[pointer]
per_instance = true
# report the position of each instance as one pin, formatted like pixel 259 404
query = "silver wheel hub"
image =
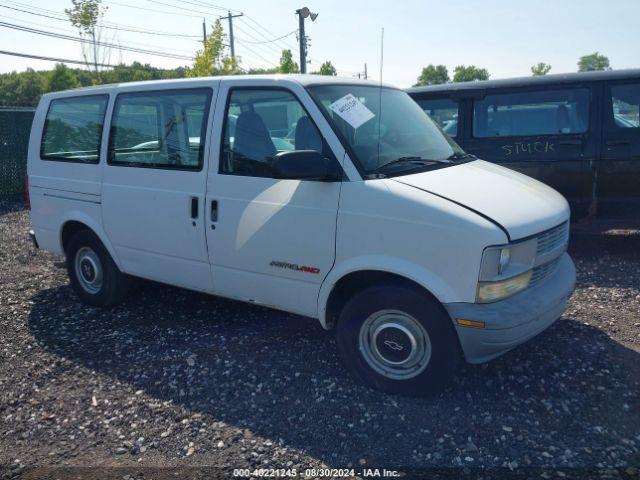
pixel 88 270
pixel 395 344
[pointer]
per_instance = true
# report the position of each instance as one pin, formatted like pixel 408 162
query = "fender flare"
pixel 431 282
pixel 95 227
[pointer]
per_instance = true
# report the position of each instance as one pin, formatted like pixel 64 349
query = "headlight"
pixel 505 270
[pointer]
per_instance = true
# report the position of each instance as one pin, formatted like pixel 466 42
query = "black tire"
pixel 407 304
pixel 113 285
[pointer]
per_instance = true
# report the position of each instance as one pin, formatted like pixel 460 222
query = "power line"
pixel 256 54
pixel 268 32
pixel 269 41
pixel 172 50
pixel 102 44
pixel 267 48
pixel 211 5
pixel 182 8
pixel 152 10
pixel 51 59
pixel 109 25
pixel 196 4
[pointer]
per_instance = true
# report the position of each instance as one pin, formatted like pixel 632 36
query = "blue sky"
pixel 505 37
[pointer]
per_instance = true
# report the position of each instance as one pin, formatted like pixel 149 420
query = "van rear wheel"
pixel 93 274
pixel 398 339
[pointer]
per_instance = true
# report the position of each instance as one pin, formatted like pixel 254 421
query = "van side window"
pixel 443 111
pixel 160 129
pixel 626 105
pixel 544 112
pixel 261 123
pixel 73 129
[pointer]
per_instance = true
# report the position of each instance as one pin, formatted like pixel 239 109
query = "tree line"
pixel 24 89
pixel 437 74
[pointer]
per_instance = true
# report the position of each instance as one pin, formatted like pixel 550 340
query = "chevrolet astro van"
pixel 331 198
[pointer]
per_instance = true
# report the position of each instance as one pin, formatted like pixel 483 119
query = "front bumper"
pixel 513 321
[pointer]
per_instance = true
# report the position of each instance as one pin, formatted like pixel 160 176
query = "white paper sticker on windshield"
pixel 352 110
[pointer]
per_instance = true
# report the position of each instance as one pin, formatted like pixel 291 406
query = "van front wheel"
pixel 93 274
pixel 398 340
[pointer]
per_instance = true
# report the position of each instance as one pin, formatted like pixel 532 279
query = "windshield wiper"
pixel 409 160
pixel 460 156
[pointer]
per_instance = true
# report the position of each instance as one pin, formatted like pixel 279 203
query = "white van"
pixel 328 197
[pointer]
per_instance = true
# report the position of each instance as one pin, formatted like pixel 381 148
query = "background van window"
pixel 626 105
pixel 444 112
pixel 545 112
pixel 73 129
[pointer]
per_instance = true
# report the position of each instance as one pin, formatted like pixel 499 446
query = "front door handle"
pixel 214 211
pixel 613 143
pixel 570 142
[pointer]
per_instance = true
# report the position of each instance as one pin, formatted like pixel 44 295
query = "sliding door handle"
pixel 194 207
pixel 214 211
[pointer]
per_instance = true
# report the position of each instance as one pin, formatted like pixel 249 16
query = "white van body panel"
pixel 267 227
pixel 157 238
pixel 494 191
pixel 63 191
pixel 388 226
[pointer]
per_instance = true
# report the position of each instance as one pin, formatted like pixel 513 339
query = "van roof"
pixel 558 78
pixel 302 79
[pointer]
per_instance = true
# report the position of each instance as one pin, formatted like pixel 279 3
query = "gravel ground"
pixel 177 378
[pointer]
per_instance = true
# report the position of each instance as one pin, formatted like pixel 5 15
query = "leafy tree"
pixel 61 78
pixel 84 15
pixel 29 88
pixel 540 69
pixel 287 64
pixel 211 60
pixel 327 68
pixel 262 71
pixel 433 75
pixel 592 62
pixel 469 73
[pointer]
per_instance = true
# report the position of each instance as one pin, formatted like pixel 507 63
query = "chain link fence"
pixel 15 126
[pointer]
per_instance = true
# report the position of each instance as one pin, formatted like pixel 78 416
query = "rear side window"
pixel 161 129
pixel 545 112
pixel 626 105
pixel 444 112
pixel 73 129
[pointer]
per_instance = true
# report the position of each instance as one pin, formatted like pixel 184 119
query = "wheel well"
pixel 69 230
pixel 354 282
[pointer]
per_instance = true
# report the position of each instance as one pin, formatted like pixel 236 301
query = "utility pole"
pixel 204 32
pixel 303 44
pixel 302 14
pixel 231 43
pixel 365 71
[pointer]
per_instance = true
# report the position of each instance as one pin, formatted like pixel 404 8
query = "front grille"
pixel 553 238
pixel 541 272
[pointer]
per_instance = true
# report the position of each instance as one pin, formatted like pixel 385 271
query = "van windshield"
pixel 386 131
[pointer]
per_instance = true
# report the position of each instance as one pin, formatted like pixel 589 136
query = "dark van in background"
pixel 579 133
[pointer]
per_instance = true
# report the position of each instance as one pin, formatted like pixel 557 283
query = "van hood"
pixel 519 204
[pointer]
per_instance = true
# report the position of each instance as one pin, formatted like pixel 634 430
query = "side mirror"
pixel 305 165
